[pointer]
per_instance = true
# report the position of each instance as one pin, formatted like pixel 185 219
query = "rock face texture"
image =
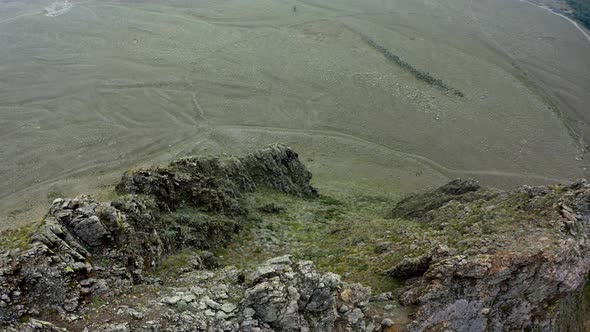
pixel 512 286
pixel 490 261
pixel 416 206
pixel 279 295
pixel 293 296
pixel 215 184
pixel 85 248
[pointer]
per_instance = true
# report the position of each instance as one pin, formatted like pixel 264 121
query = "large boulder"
pixel 416 206
pixel 215 184
pixel 281 294
pixel 537 258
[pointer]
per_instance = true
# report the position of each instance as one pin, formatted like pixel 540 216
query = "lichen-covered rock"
pixel 82 243
pixel 512 286
pixel 215 184
pixel 484 260
pixel 35 325
pixel 416 206
pixel 411 267
pixel 287 296
pixel 281 294
pixel 85 248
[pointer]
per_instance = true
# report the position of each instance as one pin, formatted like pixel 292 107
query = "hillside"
pixel 247 243
pixel 404 94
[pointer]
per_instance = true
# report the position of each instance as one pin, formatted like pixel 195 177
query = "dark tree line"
pixel 581 10
pixel 418 74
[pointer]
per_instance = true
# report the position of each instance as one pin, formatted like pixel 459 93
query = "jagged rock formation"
pixel 279 295
pixel 511 283
pixel 486 260
pixel 85 248
pixel 416 206
pixel 215 184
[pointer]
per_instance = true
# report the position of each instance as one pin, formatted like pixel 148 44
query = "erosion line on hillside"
pixel 417 73
pixel 433 164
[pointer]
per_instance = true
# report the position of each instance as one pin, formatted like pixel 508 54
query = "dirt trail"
pixel 435 165
pixel 10 19
pixel 560 15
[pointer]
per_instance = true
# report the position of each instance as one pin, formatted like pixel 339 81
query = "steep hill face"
pixel 531 252
pixel 459 258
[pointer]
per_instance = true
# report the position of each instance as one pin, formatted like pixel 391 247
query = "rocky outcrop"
pixel 291 296
pixel 475 259
pixel 518 284
pixel 215 184
pixel 281 294
pixel 84 248
pixel 416 206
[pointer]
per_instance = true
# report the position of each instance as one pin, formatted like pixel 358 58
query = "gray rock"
pixel 172 300
pixel 212 304
pixel 417 206
pixel 509 290
pixel 228 307
pixel 354 315
pixel 122 327
pixel 126 311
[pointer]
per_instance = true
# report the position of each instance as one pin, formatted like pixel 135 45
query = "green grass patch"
pixel 172 263
pixel 17 238
pixel 339 234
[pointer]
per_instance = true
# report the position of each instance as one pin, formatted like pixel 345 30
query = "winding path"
pixel 9 19
pixel 450 172
pixel 560 15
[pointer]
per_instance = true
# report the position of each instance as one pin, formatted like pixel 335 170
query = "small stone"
pixel 78 266
pixel 220 315
pixel 228 307
pixel 87 282
pixel 484 311
pixel 171 300
pixel 209 312
pixel 197 290
pixel 124 327
pixel 249 312
pixel 189 298
pixel 280 260
pixel 124 310
pixel 389 307
pixel 212 304
pixel 354 316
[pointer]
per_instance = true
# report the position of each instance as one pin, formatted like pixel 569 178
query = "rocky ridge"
pixel 494 260
pixel 516 280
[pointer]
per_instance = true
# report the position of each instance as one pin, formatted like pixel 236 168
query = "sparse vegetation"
pixel 17 238
pixel 352 235
pixel 172 263
pixel 54 193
